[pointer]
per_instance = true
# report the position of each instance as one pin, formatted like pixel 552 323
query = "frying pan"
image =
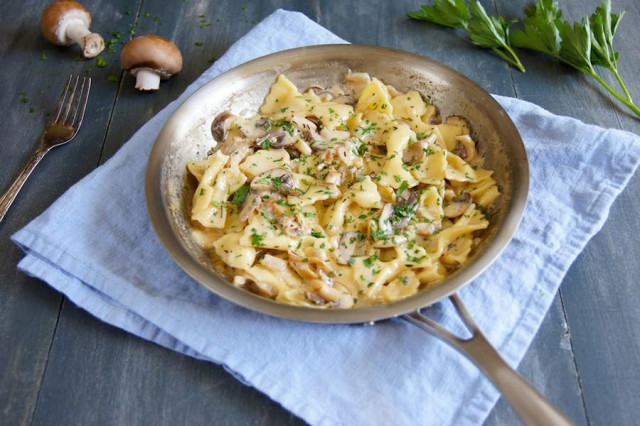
pixel 186 136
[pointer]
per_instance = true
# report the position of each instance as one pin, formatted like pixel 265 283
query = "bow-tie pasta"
pixel 340 197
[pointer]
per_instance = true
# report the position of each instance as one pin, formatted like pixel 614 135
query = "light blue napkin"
pixel 95 245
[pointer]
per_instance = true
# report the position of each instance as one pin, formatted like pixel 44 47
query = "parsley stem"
pixel 617 95
pixel 614 70
pixel 513 60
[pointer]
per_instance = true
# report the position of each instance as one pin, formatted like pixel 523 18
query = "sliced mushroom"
pixel 251 203
pixel 427 229
pixel 345 300
pixel 253 286
pixel 315 120
pixel 220 125
pixel 329 293
pixel 416 151
pixel 274 263
pixel 252 127
pixel 457 205
pixel 406 206
pixel 276 139
pixel 261 288
pixel 350 244
pixel 384 222
pixel 334 178
pixel 432 115
pixel 278 180
pixel 461 121
pixel 237 149
pixel 466 148
pixel 314 298
pixel 289 224
pixel 309 267
pixel 324 94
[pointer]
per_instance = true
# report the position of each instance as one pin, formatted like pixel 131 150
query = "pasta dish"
pixel 340 197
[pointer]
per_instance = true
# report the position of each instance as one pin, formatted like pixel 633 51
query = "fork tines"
pixel 72 103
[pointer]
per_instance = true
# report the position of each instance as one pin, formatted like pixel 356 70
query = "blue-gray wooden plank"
pixel 600 293
pixel 600 313
pixel 34 73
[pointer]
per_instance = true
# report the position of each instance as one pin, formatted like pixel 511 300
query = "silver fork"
pixel 63 127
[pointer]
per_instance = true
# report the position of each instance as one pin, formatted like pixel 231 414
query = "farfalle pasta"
pixel 340 197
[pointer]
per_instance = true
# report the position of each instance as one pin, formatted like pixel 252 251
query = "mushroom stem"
pixel 147 79
pixel 91 43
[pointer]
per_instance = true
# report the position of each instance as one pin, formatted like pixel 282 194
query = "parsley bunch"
pixel 490 32
pixel 584 45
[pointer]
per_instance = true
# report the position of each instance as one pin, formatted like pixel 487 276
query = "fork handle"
pixel 7 198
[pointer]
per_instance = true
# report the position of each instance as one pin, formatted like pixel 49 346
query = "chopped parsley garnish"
pixel 379 234
pixel 278 184
pixel 369 261
pixel 404 185
pixel 240 195
pixel 256 239
pixel 266 144
pixel 404 210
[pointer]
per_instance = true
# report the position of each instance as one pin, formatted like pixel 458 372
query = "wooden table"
pixel 59 365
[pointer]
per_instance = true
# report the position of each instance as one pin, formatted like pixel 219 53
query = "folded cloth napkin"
pixel 95 245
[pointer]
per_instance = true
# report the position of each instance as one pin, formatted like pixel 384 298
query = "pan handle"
pixel 527 402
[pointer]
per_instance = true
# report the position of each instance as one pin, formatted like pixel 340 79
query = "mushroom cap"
pixel 55 13
pixel 152 52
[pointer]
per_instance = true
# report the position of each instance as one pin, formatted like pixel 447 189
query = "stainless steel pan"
pixel 186 136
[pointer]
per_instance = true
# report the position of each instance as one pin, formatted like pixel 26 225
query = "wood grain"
pixel 34 73
pixel 58 365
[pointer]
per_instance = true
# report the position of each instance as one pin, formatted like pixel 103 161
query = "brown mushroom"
pixel 66 22
pixel 312 268
pixel 279 180
pixel 416 151
pixel 251 203
pixel 457 206
pixel 151 58
pixel 384 222
pixel 322 93
pixel 276 139
pixel 220 125
pixel 351 244
pixel 465 148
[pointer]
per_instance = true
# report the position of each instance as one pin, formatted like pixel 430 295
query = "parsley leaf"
pixel 451 13
pixel 240 195
pixel 256 239
pixel 369 261
pixel 489 32
pixel 583 45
